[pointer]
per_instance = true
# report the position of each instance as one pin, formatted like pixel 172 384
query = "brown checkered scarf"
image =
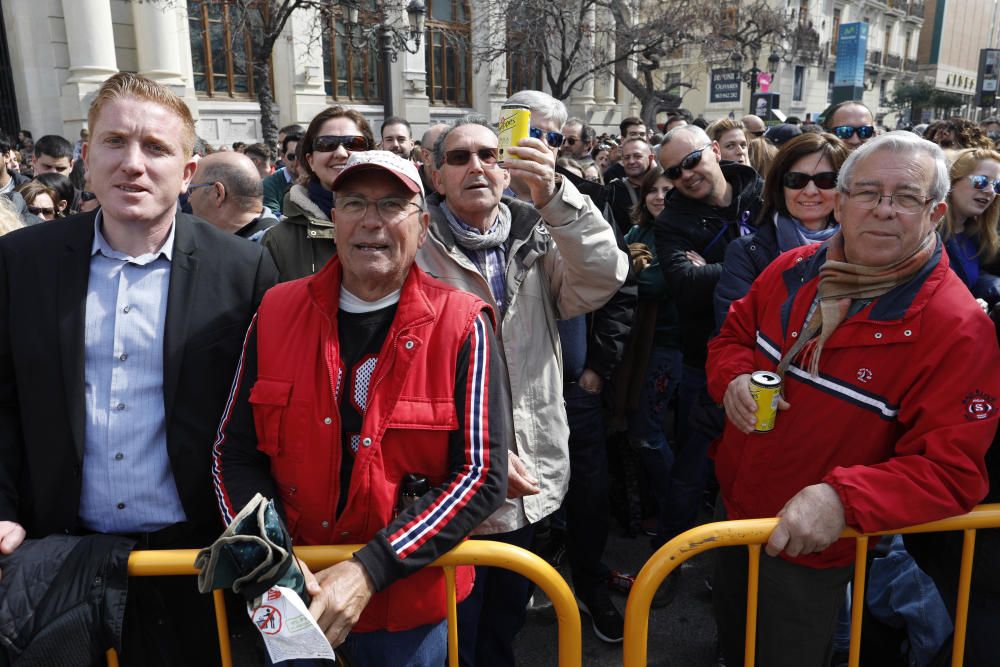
pixel 840 283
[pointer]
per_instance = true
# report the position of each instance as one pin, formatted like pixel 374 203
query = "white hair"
pixel 901 142
pixel 542 104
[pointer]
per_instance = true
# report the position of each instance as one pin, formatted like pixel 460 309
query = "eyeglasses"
pixel 291 157
pixel 845 132
pixel 195 186
pixel 689 161
pixel 981 182
pixel 461 156
pixel 391 210
pixel 759 133
pixel 570 141
pixel 87 196
pixel 901 202
pixel 824 180
pixel 331 142
pixel 552 138
pixel 35 210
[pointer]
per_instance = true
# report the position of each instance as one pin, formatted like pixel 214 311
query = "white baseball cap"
pixel 404 170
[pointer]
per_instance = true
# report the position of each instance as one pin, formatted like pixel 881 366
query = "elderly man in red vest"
pixel 371 401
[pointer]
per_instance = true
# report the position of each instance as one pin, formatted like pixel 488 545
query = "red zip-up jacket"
pixel 436 405
pixel 898 420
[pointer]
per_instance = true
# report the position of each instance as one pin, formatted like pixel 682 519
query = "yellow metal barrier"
pixel 471 552
pixel 755 532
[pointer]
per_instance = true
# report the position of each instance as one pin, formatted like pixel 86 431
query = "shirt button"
pixel 126 309
pixel 327 420
pixel 123 356
pixel 119 456
pixel 121 506
pixel 367 442
pixel 325 524
pixel 120 407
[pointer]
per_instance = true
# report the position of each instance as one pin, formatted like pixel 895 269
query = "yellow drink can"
pixel 765 387
pixel 514 125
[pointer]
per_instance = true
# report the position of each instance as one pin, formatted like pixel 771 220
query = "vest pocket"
pixel 269 399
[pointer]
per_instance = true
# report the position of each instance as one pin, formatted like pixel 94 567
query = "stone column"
pixel 157 46
pixel 91 45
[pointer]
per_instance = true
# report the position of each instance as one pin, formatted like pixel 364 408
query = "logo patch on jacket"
pixel 978 406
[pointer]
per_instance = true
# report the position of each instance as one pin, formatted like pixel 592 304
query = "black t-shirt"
pixel 361 338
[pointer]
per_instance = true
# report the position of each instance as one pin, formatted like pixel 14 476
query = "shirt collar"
pixel 102 246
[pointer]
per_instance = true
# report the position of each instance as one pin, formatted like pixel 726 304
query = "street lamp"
pixel 750 75
pixel 389 38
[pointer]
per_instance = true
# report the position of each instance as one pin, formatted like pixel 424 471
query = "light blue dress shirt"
pixel 128 485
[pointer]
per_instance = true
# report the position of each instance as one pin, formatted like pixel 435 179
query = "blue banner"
pixel 852 45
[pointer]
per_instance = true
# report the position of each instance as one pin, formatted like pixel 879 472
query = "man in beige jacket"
pixel 535 263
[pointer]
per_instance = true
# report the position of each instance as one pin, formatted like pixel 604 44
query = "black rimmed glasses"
pixel 391 210
pixel 797 180
pixel 331 142
pixel 689 161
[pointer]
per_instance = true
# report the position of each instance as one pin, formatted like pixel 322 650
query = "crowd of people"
pixel 406 343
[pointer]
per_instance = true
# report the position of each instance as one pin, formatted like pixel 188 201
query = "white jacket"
pixel 568 266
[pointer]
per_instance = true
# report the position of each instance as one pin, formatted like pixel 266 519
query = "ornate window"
pixel 447 52
pixel 221 53
pixel 351 75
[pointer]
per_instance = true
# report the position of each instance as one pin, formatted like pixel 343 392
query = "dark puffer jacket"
pixel 688 224
pixel 62 600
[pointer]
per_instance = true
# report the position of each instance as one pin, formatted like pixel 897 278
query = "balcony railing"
pixel 892 61
pixel 875 58
pixel 916 9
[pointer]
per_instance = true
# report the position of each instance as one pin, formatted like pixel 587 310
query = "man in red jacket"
pixel 371 401
pixel 890 388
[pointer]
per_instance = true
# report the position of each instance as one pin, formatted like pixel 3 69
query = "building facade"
pixel 805 61
pixel 61 50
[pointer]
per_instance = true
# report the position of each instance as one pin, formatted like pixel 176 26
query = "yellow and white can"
pixel 765 387
pixel 514 125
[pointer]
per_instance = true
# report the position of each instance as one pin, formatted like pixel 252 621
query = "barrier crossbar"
pixel 752 533
pixel 471 552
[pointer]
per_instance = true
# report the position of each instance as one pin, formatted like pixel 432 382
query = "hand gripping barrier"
pixel 470 552
pixel 755 532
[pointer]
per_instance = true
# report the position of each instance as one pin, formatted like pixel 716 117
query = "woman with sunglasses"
pixel 798 209
pixel 41 200
pixel 303 241
pixel 969 228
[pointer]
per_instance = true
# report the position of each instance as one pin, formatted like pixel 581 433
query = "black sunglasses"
pixel 570 141
pixel 552 138
pixel 981 182
pixel 845 132
pixel 331 142
pixel 87 196
pixel 759 133
pixel 291 157
pixel 824 180
pixel 689 161
pixel 35 210
pixel 461 156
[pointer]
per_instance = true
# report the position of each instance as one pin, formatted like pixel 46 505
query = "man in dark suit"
pixel 120 330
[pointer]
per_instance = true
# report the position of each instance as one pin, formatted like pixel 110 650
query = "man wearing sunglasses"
pixel 533 263
pixel 851 122
pixel 623 193
pixel 711 205
pixel 888 405
pixel 578 139
pixel 277 185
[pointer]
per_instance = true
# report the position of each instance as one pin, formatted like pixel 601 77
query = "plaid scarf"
pixel 841 282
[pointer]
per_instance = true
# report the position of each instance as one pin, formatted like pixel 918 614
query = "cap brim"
pixel 350 172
